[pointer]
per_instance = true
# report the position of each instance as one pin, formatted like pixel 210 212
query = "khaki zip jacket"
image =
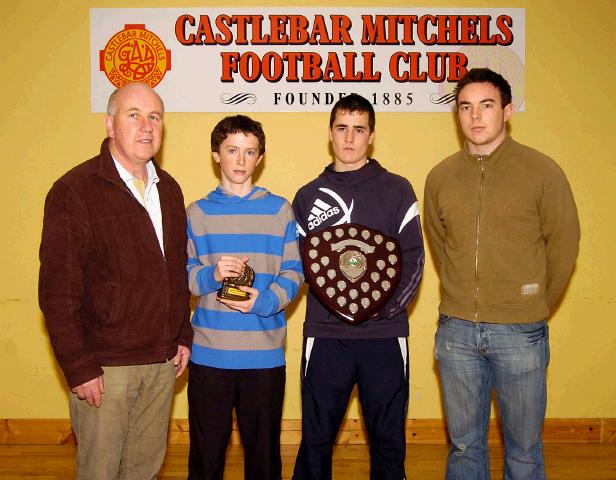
pixel 504 232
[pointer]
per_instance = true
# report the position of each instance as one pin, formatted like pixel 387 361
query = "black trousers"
pixel 330 369
pixel 257 397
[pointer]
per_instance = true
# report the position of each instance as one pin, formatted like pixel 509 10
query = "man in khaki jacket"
pixel 504 232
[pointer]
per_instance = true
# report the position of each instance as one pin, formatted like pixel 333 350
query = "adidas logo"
pixel 320 212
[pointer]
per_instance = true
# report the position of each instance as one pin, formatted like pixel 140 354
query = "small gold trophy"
pixel 230 285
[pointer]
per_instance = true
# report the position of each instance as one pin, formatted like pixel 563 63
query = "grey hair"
pixel 111 103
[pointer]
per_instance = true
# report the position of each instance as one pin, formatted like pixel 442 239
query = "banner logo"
pixel 135 54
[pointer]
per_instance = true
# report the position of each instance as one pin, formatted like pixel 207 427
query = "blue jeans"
pixel 474 358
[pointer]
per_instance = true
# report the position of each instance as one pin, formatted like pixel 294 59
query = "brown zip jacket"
pixel 504 233
pixel 109 295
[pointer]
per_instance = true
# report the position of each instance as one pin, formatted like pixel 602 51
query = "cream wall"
pixel 46 128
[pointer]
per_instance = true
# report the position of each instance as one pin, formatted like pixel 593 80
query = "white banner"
pixel 281 59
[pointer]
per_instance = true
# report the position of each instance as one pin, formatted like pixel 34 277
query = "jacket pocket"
pixel 99 303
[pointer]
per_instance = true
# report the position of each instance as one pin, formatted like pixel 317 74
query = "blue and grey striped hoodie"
pixel 261 227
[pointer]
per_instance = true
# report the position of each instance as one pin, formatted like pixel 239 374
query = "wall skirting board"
pixel 424 431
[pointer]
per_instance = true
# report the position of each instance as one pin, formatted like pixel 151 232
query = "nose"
pixel 146 124
pixel 348 136
pixel 241 161
pixel 476 114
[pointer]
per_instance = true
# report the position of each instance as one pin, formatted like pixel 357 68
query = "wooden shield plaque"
pixel 352 269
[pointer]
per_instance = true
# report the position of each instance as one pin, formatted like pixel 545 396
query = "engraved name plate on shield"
pixel 352 269
pixel 230 285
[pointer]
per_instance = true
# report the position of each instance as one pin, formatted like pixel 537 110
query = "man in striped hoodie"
pixel 238 351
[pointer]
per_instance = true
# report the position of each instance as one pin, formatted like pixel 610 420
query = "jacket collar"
pixel 353 177
pixel 491 159
pixel 107 169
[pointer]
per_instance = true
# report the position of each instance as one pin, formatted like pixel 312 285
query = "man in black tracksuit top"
pixel 373 354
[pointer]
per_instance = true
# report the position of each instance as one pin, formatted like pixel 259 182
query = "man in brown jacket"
pixel 504 232
pixel 113 289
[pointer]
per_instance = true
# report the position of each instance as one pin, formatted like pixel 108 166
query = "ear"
pixel 259 160
pixel 109 125
pixel 508 111
pixel 216 157
pixel 371 138
pixel 331 134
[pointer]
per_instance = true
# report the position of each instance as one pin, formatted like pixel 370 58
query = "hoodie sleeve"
pixel 409 236
pixel 286 282
pixel 300 218
pixel 201 279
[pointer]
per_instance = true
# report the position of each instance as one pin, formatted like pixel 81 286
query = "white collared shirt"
pixel 151 202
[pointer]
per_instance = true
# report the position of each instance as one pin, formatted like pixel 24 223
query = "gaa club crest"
pixel 135 54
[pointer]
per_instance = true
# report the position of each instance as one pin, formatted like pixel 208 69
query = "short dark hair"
pixel 235 124
pixel 485 75
pixel 353 103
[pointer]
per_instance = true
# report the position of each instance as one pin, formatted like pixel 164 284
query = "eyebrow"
pixel 336 125
pixel 466 102
pixel 137 109
pixel 231 145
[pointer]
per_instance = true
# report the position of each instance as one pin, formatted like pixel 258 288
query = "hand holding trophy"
pixel 230 285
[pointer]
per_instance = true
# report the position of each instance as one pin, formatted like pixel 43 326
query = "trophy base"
pixel 229 292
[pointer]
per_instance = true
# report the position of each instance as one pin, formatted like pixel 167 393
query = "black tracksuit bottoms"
pixel 330 369
pixel 257 396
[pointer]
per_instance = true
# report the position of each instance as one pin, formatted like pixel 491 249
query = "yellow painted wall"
pixel 46 128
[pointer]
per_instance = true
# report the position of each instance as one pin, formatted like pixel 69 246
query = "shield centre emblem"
pixel 353 265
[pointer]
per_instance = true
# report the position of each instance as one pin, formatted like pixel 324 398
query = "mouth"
pixel 239 172
pixel 145 141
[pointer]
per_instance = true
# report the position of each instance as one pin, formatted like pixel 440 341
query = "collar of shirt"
pixel 128 177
